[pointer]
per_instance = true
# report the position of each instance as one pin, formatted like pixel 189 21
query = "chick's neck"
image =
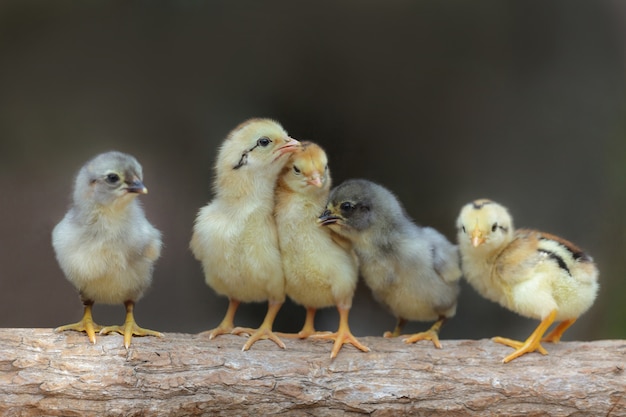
pixel 244 185
pixel 108 220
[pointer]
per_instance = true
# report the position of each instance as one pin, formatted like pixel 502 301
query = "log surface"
pixel 48 374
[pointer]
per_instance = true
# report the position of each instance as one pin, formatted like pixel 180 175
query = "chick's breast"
pixel 112 263
pixel 238 248
pixel 318 272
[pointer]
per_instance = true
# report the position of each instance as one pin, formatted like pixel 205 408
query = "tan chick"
pixel 104 244
pixel 234 236
pixel 534 274
pixel 414 271
pixel 319 272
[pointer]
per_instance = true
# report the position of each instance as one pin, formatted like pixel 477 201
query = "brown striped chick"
pixel 318 271
pixel 414 271
pixel 532 273
pixel 234 236
pixel 105 245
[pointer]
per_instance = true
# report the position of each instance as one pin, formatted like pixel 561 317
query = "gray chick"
pixel 104 244
pixel 414 271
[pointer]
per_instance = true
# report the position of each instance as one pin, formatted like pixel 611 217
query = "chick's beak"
pixel 476 237
pixel 291 145
pixel 315 180
pixel 137 187
pixel 328 218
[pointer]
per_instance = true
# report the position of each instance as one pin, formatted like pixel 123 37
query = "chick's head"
pixel 484 224
pixel 256 144
pixel 358 205
pixel 110 179
pixel 307 170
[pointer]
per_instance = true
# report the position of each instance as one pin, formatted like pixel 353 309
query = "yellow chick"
pixel 532 273
pixel 105 245
pixel 234 236
pixel 318 271
pixel 414 271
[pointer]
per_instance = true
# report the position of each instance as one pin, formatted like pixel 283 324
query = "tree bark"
pixel 43 373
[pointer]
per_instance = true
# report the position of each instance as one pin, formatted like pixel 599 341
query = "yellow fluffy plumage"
pixel 535 274
pixel 235 236
pixel 319 272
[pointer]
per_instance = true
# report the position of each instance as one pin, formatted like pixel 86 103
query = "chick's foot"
pixel 431 334
pixel 532 344
pixel 227 324
pixel 342 336
pixel 264 331
pixel 130 327
pixel 86 324
pixel 308 329
pixel 397 331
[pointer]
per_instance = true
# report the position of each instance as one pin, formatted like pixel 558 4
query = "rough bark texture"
pixel 47 374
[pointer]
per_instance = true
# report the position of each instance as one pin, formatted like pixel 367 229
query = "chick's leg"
pixel 130 328
pixel 343 334
pixel 532 343
pixel 227 324
pixel 309 324
pixel 265 331
pixel 398 329
pixel 431 334
pixel 86 324
pixel 308 329
pixel 555 335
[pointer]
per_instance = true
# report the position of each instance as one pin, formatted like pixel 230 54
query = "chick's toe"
pixel 86 324
pixel 130 327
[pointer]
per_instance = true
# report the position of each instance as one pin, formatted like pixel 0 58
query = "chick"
pixel 532 273
pixel 318 271
pixel 234 236
pixel 414 271
pixel 104 244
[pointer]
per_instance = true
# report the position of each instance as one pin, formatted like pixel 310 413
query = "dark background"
pixel 441 101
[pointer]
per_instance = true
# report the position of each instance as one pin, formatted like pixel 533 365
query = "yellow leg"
pixel 265 330
pixel 398 330
pixel 86 324
pixel 227 324
pixel 532 343
pixel 555 335
pixel 343 334
pixel 130 328
pixel 431 334
pixel 308 329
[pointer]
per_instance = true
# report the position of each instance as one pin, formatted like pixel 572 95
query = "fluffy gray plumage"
pixel 412 270
pixel 105 245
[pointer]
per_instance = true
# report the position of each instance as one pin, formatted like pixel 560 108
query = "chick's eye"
pixel 463 229
pixel 112 178
pixel 494 227
pixel 296 169
pixel 346 206
pixel 264 141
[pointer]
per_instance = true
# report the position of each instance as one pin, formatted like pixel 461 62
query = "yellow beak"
pixel 477 237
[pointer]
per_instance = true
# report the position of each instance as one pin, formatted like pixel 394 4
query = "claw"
pixel 130 327
pixel 342 336
pixel 86 324
pixel 533 343
pixel 265 330
pixel 227 324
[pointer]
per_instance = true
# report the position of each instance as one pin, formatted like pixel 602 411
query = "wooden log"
pixel 48 374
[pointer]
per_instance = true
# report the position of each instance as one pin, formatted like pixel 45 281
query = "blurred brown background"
pixel 441 101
